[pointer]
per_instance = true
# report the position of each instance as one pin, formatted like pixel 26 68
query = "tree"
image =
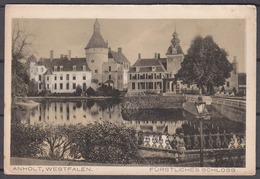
pixel 78 90
pixel 21 47
pixel 205 64
pixel 90 91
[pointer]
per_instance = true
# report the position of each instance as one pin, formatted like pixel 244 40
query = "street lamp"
pixel 200 106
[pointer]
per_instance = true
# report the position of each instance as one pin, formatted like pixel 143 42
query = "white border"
pixel 247 12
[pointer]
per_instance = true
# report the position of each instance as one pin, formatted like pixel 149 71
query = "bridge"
pixel 231 107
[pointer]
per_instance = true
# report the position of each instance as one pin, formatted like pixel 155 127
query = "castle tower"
pixel 96 52
pixel 174 55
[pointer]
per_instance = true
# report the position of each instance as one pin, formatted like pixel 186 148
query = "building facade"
pixel 108 67
pixel 60 75
pixel 115 71
pixel 101 65
pixel 157 74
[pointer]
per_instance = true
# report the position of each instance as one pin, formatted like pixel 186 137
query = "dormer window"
pixel 84 67
pixel 153 68
pixel 74 68
pixel 61 68
pixel 137 69
pixel 55 68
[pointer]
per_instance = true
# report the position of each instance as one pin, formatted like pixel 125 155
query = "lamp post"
pixel 200 105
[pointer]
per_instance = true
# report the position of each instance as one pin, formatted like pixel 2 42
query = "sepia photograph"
pixel 91 90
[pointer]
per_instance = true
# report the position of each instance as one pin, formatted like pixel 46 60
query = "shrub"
pixel 90 91
pixel 78 91
pixel 107 143
pixel 26 140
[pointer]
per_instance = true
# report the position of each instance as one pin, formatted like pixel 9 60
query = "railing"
pixel 220 150
pixel 192 142
pixel 228 102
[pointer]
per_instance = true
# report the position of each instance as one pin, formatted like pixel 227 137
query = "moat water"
pixel 167 121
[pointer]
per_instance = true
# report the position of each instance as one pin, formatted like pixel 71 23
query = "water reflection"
pixel 52 112
pixel 164 121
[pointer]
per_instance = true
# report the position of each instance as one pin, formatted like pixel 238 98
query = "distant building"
pixel 60 75
pixel 232 82
pixel 147 75
pixel 96 53
pixel 107 66
pixel 100 66
pixel 115 71
pixel 157 74
pixel 242 83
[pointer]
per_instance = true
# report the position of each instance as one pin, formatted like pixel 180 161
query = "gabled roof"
pixel 118 57
pixel 65 62
pixel 147 62
pixel 146 65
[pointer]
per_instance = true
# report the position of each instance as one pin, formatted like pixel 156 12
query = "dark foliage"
pixel 205 64
pixel 90 91
pixel 26 140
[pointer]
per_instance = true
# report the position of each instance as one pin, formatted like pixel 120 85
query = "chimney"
pixel 69 54
pixel 119 50
pixel 158 55
pixel 139 55
pixel 61 55
pixel 155 55
pixel 51 54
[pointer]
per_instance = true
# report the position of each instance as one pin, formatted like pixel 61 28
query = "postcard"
pixel 130 90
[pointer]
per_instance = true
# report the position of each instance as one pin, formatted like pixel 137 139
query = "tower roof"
pixel 96 41
pixel 175 47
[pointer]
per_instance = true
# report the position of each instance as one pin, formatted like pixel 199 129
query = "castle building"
pixel 115 71
pixel 60 75
pixel 157 74
pixel 101 65
pixel 96 53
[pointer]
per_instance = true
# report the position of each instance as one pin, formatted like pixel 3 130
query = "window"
pixel 55 78
pixel 55 68
pixel 40 86
pixel 74 77
pixel 84 86
pixel 55 86
pixel 92 61
pixel 96 71
pixel 130 76
pixel 61 68
pixel 109 76
pixel 48 86
pixel 84 67
pixel 61 77
pixel 84 77
pixel 67 86
pixel 47 78
pixel 149 85
pixel 74 68
pixel 40 77
pixel 133 85
pixel 42 69
pixel 61 86
pixel 67 77
pixel 228 84
pixel 109 68
pixel 74 85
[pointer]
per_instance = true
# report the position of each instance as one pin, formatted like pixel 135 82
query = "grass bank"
pixel 153 102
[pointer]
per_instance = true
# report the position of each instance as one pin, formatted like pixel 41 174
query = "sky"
pixel 145 36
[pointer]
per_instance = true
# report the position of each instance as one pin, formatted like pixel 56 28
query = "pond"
pixel 164 121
